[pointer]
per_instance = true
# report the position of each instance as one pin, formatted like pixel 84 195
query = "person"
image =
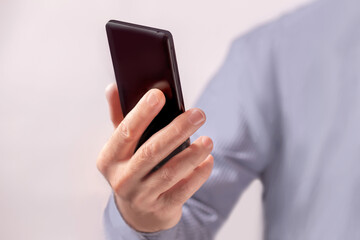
pixel 284 108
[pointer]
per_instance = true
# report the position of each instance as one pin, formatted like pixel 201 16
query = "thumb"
pixel 112 96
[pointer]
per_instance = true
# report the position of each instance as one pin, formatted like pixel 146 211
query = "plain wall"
pixel 54 67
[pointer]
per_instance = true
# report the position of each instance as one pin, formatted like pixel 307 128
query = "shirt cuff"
pixel 116 228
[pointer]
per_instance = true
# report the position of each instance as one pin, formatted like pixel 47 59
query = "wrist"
pixel 149 221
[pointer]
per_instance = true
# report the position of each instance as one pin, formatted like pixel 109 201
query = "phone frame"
pixel 171 50
pixel 113 24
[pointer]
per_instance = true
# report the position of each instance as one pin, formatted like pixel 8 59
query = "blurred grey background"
pixel 54 67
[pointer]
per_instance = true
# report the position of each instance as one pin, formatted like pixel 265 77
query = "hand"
pixel 152 201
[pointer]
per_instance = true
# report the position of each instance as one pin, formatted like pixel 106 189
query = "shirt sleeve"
pixel 117 229
pixel 240 105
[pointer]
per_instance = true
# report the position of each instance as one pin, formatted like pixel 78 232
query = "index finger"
pixel 122 143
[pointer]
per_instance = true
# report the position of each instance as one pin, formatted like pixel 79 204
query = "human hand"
pixel 152 201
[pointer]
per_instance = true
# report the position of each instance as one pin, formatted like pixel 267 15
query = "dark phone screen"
pixel 144 58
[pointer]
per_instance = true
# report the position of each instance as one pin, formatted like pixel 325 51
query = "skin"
pixel 150 202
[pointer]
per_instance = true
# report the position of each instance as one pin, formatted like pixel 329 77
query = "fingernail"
pixel 152 99
pixel 196 117
pixel 207 142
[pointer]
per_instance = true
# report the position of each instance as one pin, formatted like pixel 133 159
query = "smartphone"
pixel 144 58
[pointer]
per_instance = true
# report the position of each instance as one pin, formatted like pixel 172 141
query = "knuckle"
pixel 148 151
pixel 126 133
pixel 119 184
pixel 166 174
pixel 119 187
pixel 101 161
pixel 179 131
pixel 100 165
pixel 128 194
pixel 135 166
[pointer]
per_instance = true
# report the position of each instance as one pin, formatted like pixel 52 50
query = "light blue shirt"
pixel 284 108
